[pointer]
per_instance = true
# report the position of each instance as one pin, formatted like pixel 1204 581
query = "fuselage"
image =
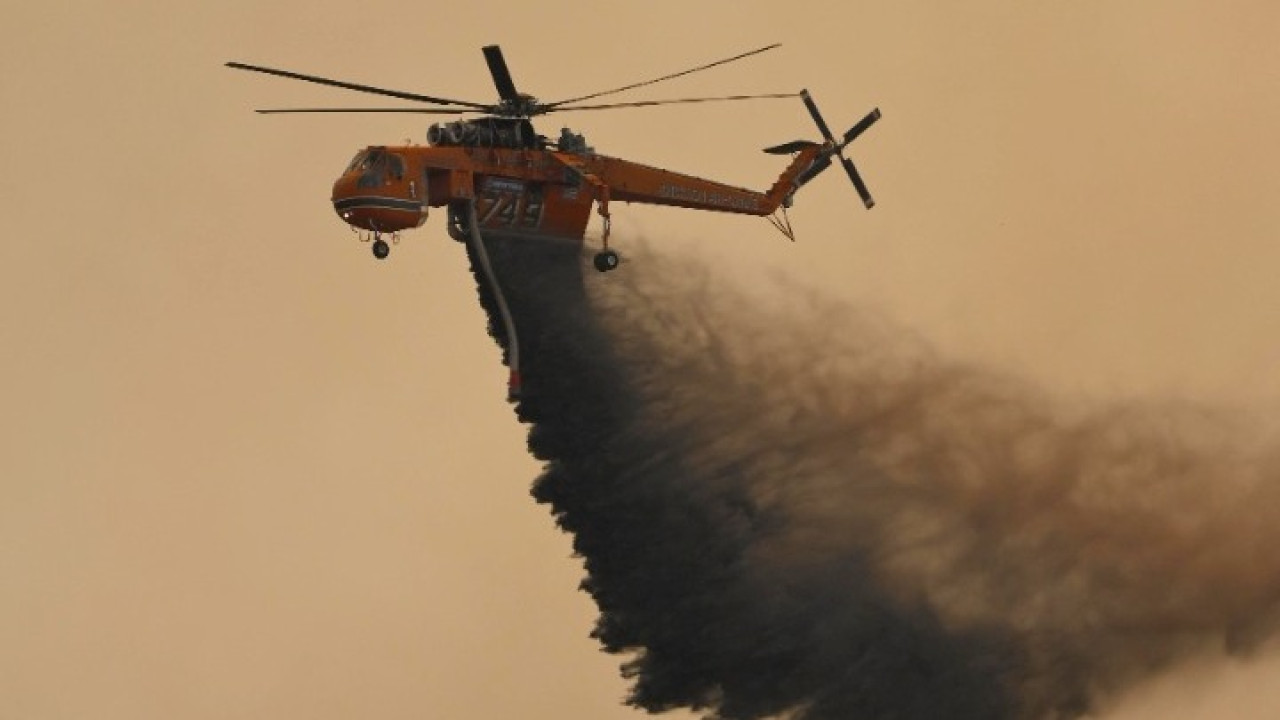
pixel 524 190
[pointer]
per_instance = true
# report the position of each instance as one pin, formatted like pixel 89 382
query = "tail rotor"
pixel 836 147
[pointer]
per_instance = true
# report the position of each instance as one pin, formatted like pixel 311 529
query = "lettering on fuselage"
pixel 685 194
pixel 496 185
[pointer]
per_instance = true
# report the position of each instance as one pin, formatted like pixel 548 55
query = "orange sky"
pixel 249 472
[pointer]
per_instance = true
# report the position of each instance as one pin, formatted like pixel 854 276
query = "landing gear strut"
pixel 606 259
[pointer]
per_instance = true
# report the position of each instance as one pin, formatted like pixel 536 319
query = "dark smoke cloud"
pixel 788 507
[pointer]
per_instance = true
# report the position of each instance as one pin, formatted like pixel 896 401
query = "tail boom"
pixel 628 181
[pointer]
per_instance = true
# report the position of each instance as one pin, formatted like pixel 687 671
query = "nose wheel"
pixel 606 260
pixel 381 249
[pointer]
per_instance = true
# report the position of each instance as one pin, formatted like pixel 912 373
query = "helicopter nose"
pixel 380 209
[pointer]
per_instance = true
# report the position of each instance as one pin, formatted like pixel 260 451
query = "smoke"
pixel 787 507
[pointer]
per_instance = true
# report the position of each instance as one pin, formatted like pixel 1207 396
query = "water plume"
pixel 788 507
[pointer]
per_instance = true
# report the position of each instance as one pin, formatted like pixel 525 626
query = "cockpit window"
pixel 396 166
pixel 373 165
pixel 368 159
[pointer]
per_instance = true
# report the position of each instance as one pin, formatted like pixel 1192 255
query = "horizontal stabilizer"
pixel 792 147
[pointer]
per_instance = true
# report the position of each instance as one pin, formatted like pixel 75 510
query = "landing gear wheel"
pixel 606 260
pixel 381 249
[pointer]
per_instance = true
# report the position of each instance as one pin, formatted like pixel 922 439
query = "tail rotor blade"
pixel 857 182
pixel 501 75
pixel 817 116
pixel 861 127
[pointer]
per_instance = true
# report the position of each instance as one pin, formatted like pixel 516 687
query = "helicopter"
pixel 495 175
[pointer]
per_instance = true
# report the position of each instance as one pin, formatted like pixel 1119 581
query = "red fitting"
pixel 513 386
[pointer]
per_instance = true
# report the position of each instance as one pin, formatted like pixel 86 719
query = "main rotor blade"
pixel 863 192
pixel 817 117
pixel 501 75
pixel 413 111
pixel 861 127
pixel 353 86
pixel 680 101
pixel 690 71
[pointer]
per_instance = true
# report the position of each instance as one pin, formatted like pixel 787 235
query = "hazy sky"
pixel 247 471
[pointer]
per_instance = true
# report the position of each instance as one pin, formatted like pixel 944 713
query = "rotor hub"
pixel 519 106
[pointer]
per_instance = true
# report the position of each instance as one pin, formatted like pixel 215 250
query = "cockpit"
pixel 377 167
pixel 379 193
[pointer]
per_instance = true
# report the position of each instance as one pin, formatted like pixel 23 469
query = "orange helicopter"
pixel 496 175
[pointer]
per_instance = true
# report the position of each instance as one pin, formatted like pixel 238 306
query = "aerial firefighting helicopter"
pixel 496 175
